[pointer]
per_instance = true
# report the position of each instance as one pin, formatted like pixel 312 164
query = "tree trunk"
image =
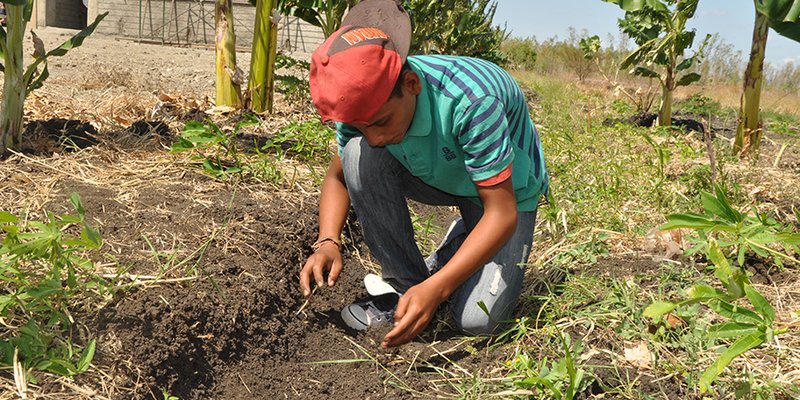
pixel 748 132
pixel 14 84
pixel 228 81
pixel 665 111
pixel 260 67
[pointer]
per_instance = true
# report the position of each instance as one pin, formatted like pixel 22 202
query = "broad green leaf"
pixel 91 236
pixel 86 357
pixel 685 64
pixel 732 214
pixel 58 366
pixel 706 292
pixel 658 308
pixel 75 199
pixel 645 72
pixel 739 347
pixel 6 216
pixel 77 39
pixel 688 79
pixel 733 278
pixel 736 313
pixel 693 221
pixel 761 304
pixel 536 381
pixel 732 330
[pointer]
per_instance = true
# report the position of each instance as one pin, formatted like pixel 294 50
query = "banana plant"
pixel 20 80
pixel 783 16
pixel 659 29
pixel 264 53
pixel 325 14
pixel 228 77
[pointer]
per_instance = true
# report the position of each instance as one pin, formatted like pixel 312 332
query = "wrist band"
pixel 325 239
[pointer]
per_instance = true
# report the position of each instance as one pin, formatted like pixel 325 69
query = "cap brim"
pixel 387 16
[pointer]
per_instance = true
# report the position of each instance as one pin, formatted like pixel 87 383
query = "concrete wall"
pixel 65 13
pixel 192 21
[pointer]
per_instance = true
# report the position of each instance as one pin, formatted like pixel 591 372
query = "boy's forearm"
pixel 334 201
pixel 494 229
pixel 486 239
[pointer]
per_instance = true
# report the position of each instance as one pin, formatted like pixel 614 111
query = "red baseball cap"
pixel 353 72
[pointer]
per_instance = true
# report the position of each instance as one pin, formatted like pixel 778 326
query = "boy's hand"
pixel 326 258
pixel 414 311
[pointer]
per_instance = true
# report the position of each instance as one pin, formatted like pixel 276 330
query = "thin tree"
pixel 783 16
pixel 229 80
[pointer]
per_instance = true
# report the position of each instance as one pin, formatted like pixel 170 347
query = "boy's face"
pixel 391 122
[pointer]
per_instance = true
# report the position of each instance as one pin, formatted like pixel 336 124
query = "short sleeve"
pixel 484 138
pixel 344 133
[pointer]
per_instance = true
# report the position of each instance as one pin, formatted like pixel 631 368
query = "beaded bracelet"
pixel 325 239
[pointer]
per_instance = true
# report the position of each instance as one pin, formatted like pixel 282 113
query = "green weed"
pixel 215 149
pixel 738 234
pixel 45 272
pixel 781 123
pixel 725 234
pixel 558 379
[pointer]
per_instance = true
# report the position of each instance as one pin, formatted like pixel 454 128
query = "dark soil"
pixel 647 119
pixel 240 330
pixel 57 135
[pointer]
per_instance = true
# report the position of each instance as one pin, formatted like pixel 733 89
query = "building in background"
pixel 178 22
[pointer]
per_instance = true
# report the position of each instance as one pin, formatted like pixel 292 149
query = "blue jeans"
pixel 378 186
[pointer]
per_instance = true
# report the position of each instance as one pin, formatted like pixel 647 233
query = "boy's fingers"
pixel 333 275
pixel 398 331
pixel 402 305
pixel 304 280
pixel 318 272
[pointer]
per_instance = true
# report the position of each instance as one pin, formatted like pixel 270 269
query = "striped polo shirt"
pixel 470 125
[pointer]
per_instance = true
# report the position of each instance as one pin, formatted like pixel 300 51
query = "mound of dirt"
pixel 241 330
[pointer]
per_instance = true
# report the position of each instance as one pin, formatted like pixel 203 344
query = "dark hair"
pixel 398 86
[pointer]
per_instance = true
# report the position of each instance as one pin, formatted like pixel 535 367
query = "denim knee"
pixel 476 323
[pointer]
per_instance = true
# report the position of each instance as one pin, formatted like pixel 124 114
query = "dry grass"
pixel 729 96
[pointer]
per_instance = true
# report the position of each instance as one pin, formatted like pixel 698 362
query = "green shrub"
pixel 45 273
pixel 520 53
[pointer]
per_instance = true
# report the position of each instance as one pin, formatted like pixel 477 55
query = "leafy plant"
pixel 455 27
pixel 216 148
pixel 44 272
pixel 750 327
pixel 293 85
pixel 325 14
pixel 519 53
pixel 19 80
pixel 558 379
pixel 306 141
pixel 659 29
pixel 700 105
pixel 737 234
pixel 641 99
pixel 726 233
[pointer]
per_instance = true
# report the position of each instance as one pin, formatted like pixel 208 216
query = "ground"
pixel 208 302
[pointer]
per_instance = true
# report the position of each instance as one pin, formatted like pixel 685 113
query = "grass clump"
pixel 46 273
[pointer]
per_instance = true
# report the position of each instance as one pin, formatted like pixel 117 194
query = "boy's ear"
pixel 411 83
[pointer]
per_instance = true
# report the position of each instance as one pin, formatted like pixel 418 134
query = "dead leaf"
pixel 638 354
pixel 674 321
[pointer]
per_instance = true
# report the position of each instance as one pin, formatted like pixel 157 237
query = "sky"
pixel 732 19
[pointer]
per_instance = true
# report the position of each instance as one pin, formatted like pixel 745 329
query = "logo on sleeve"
pixel 448 154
